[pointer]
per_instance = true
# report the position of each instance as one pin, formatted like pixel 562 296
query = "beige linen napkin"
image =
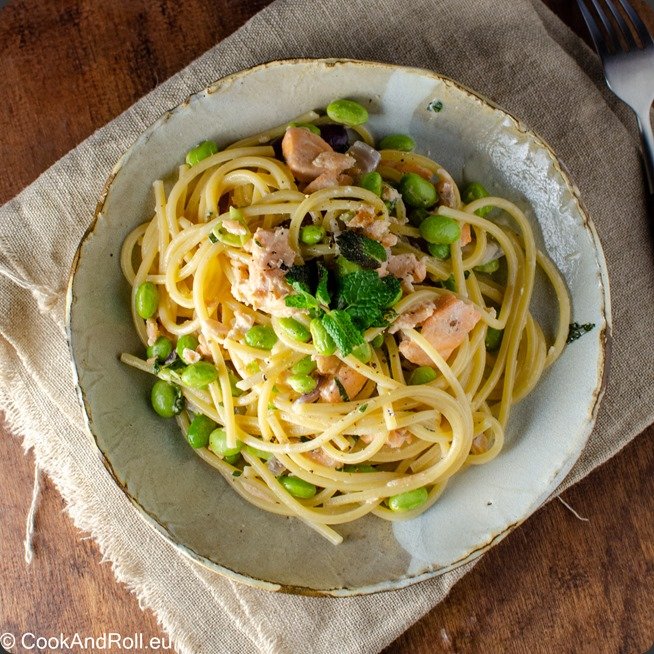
pixel 516 53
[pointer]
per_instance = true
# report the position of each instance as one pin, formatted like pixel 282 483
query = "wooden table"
pixel 557 584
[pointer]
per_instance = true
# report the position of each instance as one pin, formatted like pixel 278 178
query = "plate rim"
pixel 407 579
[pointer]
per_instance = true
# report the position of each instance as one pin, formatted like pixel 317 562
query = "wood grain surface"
pixel 556 584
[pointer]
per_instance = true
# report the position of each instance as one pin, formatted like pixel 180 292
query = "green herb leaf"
pixel 340 327
pixel 360 249
pixel 322 291
pixel 577 330
pixel 367 297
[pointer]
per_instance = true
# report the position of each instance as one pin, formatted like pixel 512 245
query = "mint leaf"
pixel 340 327
pixel 302 278
pixel 322 291
pixel 310 281
pixel 366 297
pixel 301 301
pixel 360 249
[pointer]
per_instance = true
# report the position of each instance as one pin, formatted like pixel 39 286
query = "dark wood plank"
pixel 556 584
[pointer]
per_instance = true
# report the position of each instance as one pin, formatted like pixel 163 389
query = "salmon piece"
pixel 466 234
pixel 351 381
pixel 445 329
pixel 480 444
pixel 327 180
pixel 395 438
pixel 309 156
pixel 323 459
pixel 406 267
pixel 152 330
pixel 328 365
pixel 447 191
pixel 377 228
pixel 262 284
pixel 409 319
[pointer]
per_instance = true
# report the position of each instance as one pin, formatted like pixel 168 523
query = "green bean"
pixel 493 339
pixel 440 230
pixel 199 375
pixel 397 142
pixel 297 487
pixel 372 182
pixel 186 342
pixel 261 454
pixel 347 112
pixel 422 375
pixel 417 192
pixel 345 267
pixel 310 126
pixel 312 234
pixel 304 366
pixel 322 341
pixel 295 329
pixel 199 430
pixel 146 300
pixel 167 399
pixel 200 152
pixel 160 349
pixel 378 341
pixel 439 250
pixel 218 444
pixel 261 337
pixel 475 191
pixel 489 267
pixel 302 384
pixel 363 352
pixel 409 500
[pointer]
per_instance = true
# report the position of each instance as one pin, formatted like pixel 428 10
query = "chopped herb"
pixel 435 106
pixel 340 327
pixel 237 473
pixel 363 408
pixel 360 249
pixel 213 238
pixel 258 243
pixel 341 390
pixel 367 297
pixel 577 330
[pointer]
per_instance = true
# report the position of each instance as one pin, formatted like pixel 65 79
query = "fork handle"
pixel 645 126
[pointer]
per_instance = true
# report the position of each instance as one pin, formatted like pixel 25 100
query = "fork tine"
pixel 595 31
pixel 641 28
pixel 622 25
pixel 610 31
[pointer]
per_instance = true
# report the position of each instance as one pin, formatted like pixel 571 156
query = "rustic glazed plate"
pixel 185 499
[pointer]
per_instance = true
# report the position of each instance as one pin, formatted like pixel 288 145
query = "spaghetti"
pixel 337 330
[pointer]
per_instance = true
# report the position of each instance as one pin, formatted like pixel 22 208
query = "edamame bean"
pixel 298 487
pixel 347 112
pixel 489 267
pixel 493 338
pixel 422 375
pixel 167 399
pixel 439 250
pixel 218 444
pixel 475 191
pixel 255 451
pixel 372 182
pixel 363 352
pixel 378 341
pixel 232 459
pixel 397 142
pixel 302 384
pixel 310 126
pixel 417 192
pixel 200 152
pixel 312 234
pixel 449 284
pixel 295 329
pixel 409 500
pixel 261 337
pixel 186 342
pixel 199 375
pixel 146 300
pixel 440 230
pixel 199 430
pixel 322 341
pixel 359 467
pixel 304 366
pixel 160 349
pixel 417 216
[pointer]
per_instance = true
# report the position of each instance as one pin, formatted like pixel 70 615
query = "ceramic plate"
pixel 186 500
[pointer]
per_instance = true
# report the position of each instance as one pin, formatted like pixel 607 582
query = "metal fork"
pixel 628 65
